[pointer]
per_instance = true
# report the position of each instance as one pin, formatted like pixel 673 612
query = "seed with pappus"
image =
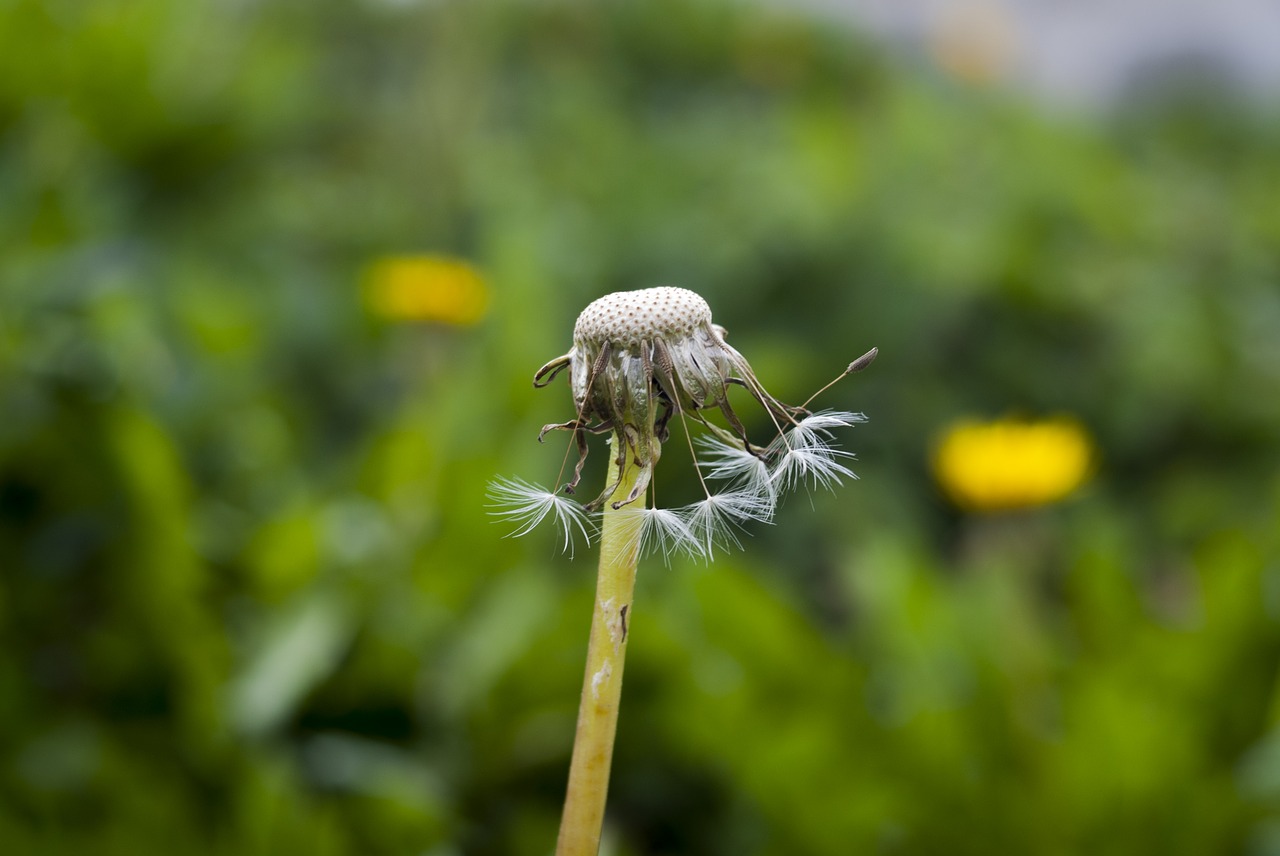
pixel 638 359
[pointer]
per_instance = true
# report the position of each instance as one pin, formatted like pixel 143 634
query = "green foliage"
pixel 250 600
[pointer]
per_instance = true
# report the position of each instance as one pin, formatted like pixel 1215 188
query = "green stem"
pixel 602 685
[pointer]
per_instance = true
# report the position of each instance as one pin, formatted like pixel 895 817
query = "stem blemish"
pixel 598 680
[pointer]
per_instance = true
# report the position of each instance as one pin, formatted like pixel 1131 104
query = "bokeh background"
pixel 275 278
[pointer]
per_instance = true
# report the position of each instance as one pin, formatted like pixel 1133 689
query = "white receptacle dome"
pixel 628 318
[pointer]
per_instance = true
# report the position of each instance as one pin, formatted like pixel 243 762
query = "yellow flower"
pixel 1011 463
pixel 426 288
pixel 976 41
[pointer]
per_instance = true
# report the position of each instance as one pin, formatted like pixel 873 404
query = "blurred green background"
pixel 250 598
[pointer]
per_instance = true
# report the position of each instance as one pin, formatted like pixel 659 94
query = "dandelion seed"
pixel 816 464
pixel 717 519
pixel 818 426
pixel 527 505
pixel 661 530
pixel 740 468
pixel 805 454
pixel 814 431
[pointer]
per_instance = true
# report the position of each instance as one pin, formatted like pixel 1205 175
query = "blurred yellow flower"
pixel 976 41
pixel 426 288
pixel 1009 463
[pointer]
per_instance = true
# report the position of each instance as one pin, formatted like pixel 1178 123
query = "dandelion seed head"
pixel 630 317
pixel 639 359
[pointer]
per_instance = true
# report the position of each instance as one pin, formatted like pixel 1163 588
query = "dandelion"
pixel 976 42
pixel 425 288
pixel 639 359
pixel 1010 463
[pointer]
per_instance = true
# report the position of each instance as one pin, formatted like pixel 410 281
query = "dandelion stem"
pixel 584 802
